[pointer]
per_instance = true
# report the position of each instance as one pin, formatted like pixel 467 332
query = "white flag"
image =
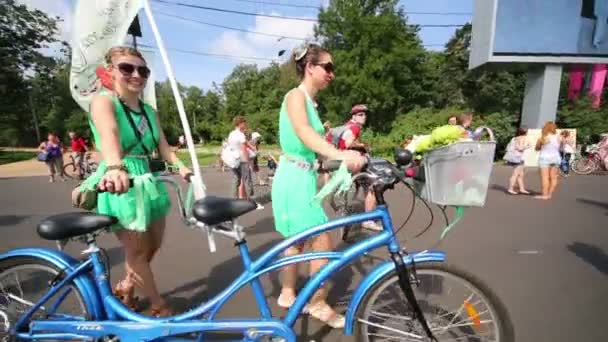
pixel 99 25
pixel 149 92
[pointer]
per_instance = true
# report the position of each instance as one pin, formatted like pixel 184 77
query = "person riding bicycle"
pixel 79 148
pixel 347 137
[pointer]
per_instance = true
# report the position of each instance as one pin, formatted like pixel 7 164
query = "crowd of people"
pixel 130 138
pixel 52 151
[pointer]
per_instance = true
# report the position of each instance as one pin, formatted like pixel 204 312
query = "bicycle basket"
pixel 458 174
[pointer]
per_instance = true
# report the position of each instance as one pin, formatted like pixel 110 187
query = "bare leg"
pixel 544 180
pixel 157 232
pixel 554 180
pixel 520 180
pixel 139 273
pixel 513 180
pixel 318 306
pixel 370 204
pixel 290 276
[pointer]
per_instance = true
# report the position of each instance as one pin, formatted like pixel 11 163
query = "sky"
pixel 203 71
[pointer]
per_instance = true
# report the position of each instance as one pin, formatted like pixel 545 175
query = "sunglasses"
pixel 127 69
pixel 328 67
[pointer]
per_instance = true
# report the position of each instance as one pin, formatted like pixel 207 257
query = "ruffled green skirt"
pixel 145 202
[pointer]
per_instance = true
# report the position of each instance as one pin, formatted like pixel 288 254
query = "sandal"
pixel 512 192
pixel 161 311
pixel 324 313
pixel 126 295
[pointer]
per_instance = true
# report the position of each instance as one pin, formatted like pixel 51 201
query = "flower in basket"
pixel 440 136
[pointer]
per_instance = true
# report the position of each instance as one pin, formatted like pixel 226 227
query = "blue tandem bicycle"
pixel 46 294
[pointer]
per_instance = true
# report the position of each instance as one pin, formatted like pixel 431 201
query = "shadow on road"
pixel 222 275
pixel 603 205
pixel 11 220
pixel 591 254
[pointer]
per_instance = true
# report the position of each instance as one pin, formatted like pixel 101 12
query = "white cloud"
pixel 55 8
pixel 261 46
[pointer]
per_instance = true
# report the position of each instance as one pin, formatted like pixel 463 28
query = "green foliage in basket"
pixel 440 136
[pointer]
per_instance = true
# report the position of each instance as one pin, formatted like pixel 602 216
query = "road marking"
pixel 528 252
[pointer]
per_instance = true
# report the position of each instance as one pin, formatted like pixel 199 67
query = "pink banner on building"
pixel 577 76
pixel 596 87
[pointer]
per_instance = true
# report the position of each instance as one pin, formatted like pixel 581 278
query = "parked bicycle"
pixel 88 167
pixel 587 163
pixel 46 294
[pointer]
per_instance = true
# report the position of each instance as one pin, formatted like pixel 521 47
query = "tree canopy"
pixel 380 61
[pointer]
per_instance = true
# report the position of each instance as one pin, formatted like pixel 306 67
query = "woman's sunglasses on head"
pixel 127 69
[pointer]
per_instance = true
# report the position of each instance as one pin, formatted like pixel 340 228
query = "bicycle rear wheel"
pixel 456 305
pixel 584 166
pixel 23 281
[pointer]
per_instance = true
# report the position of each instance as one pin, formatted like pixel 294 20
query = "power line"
pixel 225 56
pixel 209 54
pixel 230 27
pixel 223 10
pixel 278 4
pixel 249 31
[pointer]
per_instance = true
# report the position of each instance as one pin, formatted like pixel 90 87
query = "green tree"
pixel 23 33
pixel 379 60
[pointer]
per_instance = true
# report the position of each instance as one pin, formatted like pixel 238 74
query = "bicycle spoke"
pixel 391 316
pixel 376 325
pixel 389 337
pixel 18 283
pixel 459 311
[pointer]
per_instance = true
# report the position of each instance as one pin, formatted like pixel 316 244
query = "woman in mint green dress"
pixel 140 209
pixel 301 136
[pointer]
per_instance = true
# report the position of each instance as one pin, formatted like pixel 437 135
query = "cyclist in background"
pixel 79 148
pixel 348 138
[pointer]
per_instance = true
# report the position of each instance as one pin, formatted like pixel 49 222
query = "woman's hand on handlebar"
pixel 353 159
pixel 185 173
pixel 114 181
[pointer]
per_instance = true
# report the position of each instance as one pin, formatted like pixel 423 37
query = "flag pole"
pixel 197 180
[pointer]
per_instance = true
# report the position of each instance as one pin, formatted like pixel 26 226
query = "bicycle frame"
pixel 115 319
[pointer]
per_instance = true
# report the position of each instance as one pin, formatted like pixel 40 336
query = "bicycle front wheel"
pixel 456 305
pixel 24 281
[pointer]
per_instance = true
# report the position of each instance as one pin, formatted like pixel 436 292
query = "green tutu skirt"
pixel 145 202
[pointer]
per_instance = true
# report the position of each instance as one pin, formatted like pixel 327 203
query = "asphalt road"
pixel 547 261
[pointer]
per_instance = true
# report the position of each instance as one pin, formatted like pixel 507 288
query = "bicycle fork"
pixel 405 283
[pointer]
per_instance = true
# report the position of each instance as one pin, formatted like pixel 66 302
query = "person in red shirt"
pixel 350 140
pixel 79 148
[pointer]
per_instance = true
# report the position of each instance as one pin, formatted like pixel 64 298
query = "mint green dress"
pixel 293 189
pixel 147 200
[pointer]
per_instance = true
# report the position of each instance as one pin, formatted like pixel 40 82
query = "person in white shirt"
pixel 566 150
pixel 236 157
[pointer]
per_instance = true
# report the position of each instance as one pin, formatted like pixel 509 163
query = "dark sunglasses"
pixel 127 69
pixel 328 67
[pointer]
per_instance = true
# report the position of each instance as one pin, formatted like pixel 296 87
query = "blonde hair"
pixel 122 51
pixel 549 128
